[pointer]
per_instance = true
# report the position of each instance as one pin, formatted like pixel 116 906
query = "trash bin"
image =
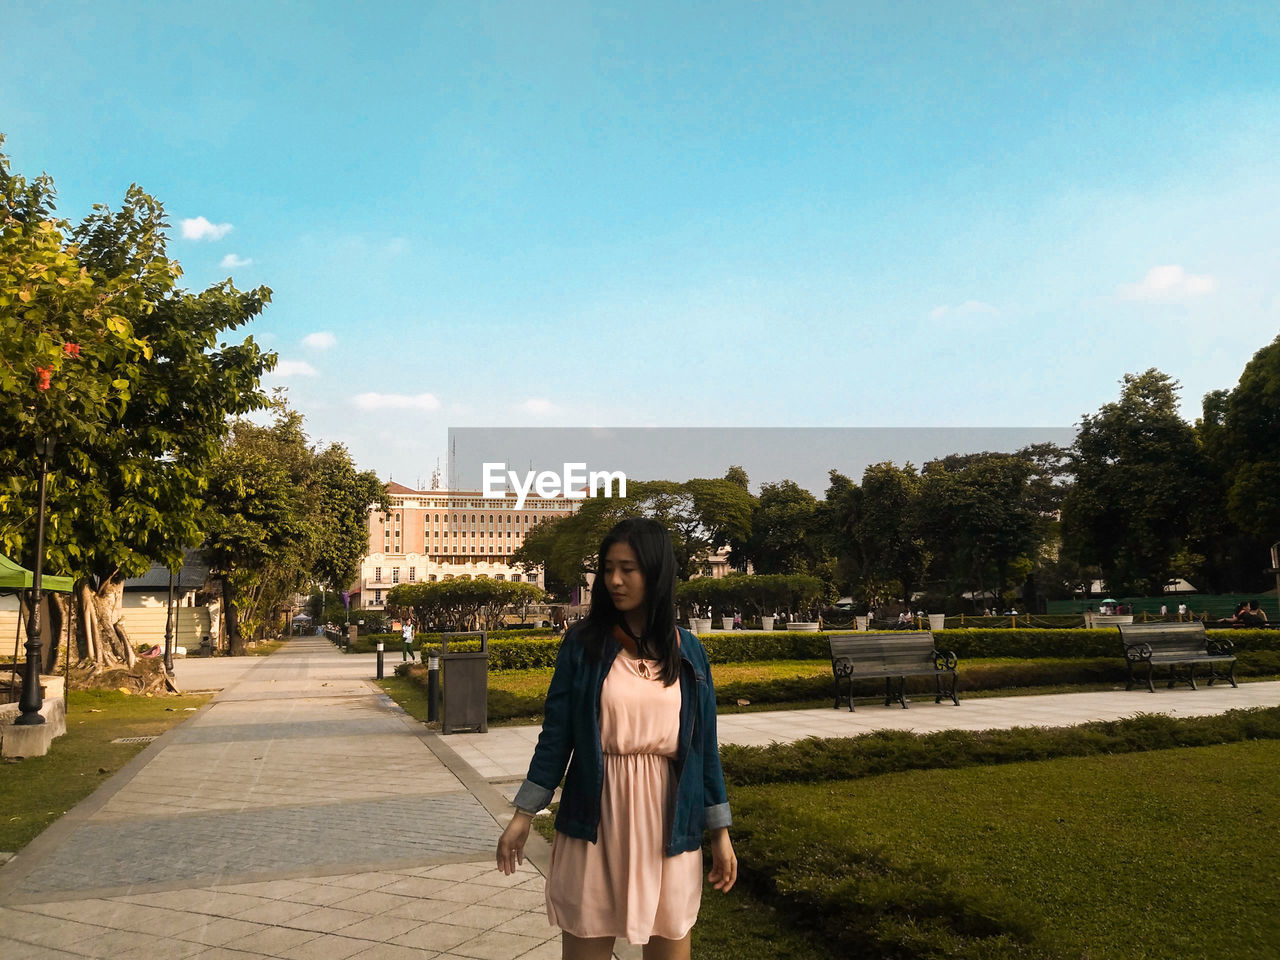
pixel 464 682
pixel 206 646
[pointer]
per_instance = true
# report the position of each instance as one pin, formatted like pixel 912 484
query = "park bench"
pixel 893 656
pixel 1175 645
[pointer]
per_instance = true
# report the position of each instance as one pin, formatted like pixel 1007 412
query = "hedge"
pixel 524 649
pixel 365 643
pixel 891 751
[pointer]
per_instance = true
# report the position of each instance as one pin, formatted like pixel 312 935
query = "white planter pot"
pixel 700 625
pixel 766 623
pixel 861 622
pixel 726 623
pixel 803 627
pixel 937 621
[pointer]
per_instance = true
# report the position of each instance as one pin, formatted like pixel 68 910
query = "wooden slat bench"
pixel 1175 645
pixel 893 656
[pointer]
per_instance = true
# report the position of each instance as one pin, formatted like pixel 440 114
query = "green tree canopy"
pixel 1142 484
pixel 285 515
pixel 783 537
pixel 128 374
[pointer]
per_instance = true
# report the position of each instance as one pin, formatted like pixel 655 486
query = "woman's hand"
pixel 511 843
pixel 724 864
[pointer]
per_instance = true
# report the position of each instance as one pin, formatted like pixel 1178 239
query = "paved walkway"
pixel 301 814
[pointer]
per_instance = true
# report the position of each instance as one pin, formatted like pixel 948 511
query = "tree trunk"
pixel 51 644
pixel 108 604
pixel 89 623
pixel 235 640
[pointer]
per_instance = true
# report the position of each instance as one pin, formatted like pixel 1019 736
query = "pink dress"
pixel 624 885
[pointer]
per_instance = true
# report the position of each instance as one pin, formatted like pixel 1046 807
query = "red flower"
pixel 71 349
pixel 43 376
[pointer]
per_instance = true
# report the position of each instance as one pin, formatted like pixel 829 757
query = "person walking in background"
pixel 406 641
pixel 631 714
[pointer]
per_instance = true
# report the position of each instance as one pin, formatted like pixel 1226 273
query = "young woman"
pixel 631 714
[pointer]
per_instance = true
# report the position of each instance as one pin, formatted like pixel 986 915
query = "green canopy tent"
pixel 14 578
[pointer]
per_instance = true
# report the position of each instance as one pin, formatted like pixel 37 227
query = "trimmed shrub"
pixel 1071 643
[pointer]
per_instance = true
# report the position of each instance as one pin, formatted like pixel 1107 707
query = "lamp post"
pixel 1275 567
pixel 31 699
pixel 168 628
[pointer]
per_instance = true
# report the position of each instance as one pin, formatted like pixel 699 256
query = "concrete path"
pixel 302 815
pixel 299 815
pixel 502 755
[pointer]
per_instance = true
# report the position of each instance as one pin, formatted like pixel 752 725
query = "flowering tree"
pixel 102 353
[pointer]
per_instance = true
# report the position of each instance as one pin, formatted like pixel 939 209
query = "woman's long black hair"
pixel 652 544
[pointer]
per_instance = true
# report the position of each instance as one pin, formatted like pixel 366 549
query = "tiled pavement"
pixel 301 815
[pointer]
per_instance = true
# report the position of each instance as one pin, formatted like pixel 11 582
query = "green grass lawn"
pixel 36 791
pixel 1169 854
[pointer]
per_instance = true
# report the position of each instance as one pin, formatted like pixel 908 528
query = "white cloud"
pixel 397 401
pixel 320 340
pixel 968 308
pixel 294 368
pixel 231 260
pixel 537 406
pixel 198 228
pixel 1168 282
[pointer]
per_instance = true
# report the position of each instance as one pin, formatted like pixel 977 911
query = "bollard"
pixel 433 687
pixel 379 659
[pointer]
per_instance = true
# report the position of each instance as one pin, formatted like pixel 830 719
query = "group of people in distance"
pixel 1249 614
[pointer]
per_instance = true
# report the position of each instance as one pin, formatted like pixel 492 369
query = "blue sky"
pixel 687 214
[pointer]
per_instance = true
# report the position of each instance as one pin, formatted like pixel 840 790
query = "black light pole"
pixel 31 699
pixel 168 628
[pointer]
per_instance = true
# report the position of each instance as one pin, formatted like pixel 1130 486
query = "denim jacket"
pixel 571 738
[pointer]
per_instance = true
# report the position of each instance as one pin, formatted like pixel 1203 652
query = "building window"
pixel 377 596
pixel 431 578
pixel 377 574
pixel 413 574
pixel 500 576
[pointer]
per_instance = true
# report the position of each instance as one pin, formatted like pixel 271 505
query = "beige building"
pixel 432 535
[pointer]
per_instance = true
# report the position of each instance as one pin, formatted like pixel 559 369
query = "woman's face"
pixel 624 578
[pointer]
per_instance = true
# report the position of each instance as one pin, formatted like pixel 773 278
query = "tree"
pixel 128 374
pixel 981 520
pixel 1240 435
pixel 700 514
pixel 263 538
pixel 345 498
pixel 888 528
pixel 1141 486
pixel 286 515
pixel 782 538
pixel 461 603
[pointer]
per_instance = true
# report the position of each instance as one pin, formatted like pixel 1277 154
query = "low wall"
pixel 34 741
